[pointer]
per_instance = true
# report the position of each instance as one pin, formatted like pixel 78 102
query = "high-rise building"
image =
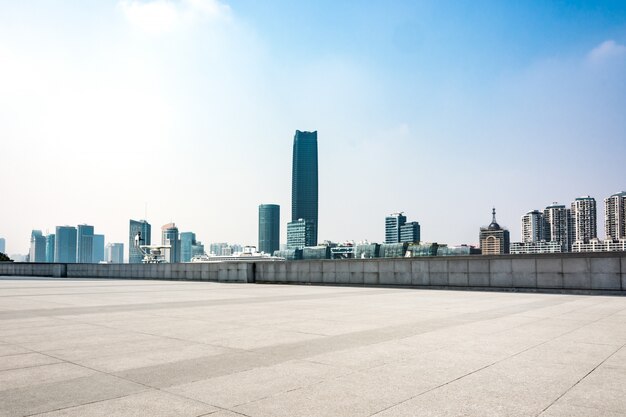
pixel 97 255
pixel 304 186
pixel 584 220
pixel 37 246
pixel 269 228
pixel 84 244
pixel 300 233
pixel 494 240
pixel 169 236
pixel 197 249
pixel 50 247
pixel 393 222
pixel 187 241
pixel 3 245
pixel 558 225
pixel 65 245
pixel 217 248
pixel 115 253
pixel 614 216
pixel 533 227
pixel 410 232
pixel 138 226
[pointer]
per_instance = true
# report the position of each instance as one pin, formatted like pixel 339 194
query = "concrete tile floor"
pixel 158 348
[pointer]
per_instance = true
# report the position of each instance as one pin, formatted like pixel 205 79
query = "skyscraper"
pixel 187 241
pixel 98 249
pixel 37 246
pixel 115 253
pixel 3 244
pixel 304 185
pixel 50 247
pixel 494 240
pixel 558 224
pixel 65 244
pixel 614 216
pixel 269 228
pixel 169 236
pixel 584 221
pixel 533 227
pixel 393 222
pixel 84 244
pixel 138 226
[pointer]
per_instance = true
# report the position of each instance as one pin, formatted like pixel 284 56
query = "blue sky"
pixel 439 109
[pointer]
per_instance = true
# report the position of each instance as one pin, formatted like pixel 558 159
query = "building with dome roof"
pixel 494 240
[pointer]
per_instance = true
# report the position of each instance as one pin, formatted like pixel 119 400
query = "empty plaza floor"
pixel 164 348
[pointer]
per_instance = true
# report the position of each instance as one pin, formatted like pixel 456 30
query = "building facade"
pixel 393 222
pixel 50 247
pixel 65 245
pixel 558 225
pixel 269 228
pixel 494 240
pixel 169 236
pixel 114 253
pixel 84 244
pixel 542 246
pixel 615 216
pixel 410 232
pixel 300 233
pixel 584 220
pixel 187 241
pixel 138 226
pixel 98 249
pixel 304 186
pixel 37 251
pixel 533 227
pixel 597 245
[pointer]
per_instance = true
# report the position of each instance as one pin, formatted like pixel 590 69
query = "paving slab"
pixel 100 347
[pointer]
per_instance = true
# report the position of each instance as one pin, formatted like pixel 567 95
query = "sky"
pixel 185 111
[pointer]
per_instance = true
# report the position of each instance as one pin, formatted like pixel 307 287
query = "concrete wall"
pixel 589 273
pixel 218 272
pixel 593 272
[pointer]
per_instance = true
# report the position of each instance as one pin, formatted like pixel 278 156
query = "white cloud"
pixel 159 16
pixel 606 50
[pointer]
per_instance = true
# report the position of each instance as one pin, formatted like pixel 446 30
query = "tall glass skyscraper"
pixel 142 226
pixel 65 245
pixel 304 196
pixel 269 228
pixel 37 246
pixel 84 244
pixel 169 236
pixel 98 249
pixel 187 241
pixel 50 248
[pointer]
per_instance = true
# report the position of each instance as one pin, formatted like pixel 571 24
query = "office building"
pixel 615 216
pixel 304 186
pixel 533 227
pixel 197 249
pixel 300 233
pixel 410 232
pixel 115 253
pixel 97 254
pixel 558 225
pixel 144 228
pixel 217 248
pixel 84 244
pixel 65 244
pixel 393 222
pixel 187 241
pixel 50 248
pixel 269 228
pixel 3 245
pixel 494 240
pixel 37 246
pixel 169 236
pixel 584 221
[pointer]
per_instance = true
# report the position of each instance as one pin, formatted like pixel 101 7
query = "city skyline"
pixel 415 104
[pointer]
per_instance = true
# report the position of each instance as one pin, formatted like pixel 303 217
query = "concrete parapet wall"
pixel 590 272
